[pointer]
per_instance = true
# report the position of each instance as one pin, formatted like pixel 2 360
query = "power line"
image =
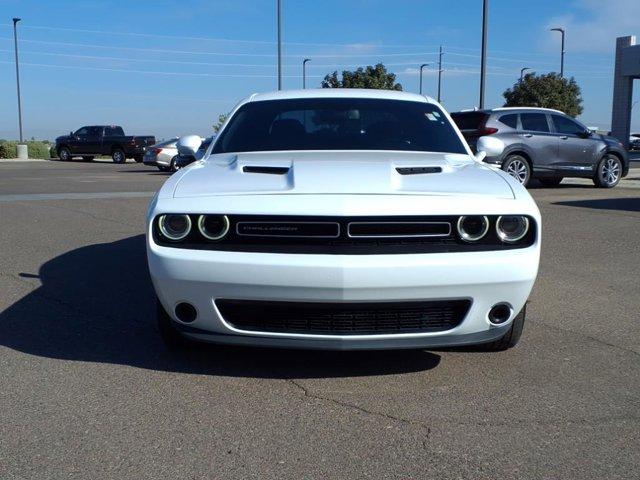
pixel 228 54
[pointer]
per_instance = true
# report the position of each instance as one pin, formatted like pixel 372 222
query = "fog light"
pixel 174 227
pixel 186 312
pixel 213 227
pixel 472 228
pixel 500 313
pixel 511 228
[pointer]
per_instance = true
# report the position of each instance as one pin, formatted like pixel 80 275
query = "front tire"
pixel 64 154
pixel 608 172
pixel 550 181
pixel 118 156
pixel 170 336
pixel 138 158
pixel 174 167
pixel 512 337
pixel 518 167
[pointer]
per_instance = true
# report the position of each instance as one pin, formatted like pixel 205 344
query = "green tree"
pixel 221 119
pixel 548 91
pixel 368 77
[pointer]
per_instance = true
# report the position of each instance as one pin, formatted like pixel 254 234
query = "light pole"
pixel 440 72
pixel 483 61
pixel 421 68
pixel 15 39
pixel 561 30
pixel 304 72
pixel 522 70
pixel 279 45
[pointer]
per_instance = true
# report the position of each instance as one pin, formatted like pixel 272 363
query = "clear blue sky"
pixel 169 67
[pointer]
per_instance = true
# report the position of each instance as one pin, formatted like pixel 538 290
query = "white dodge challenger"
pixel 342 219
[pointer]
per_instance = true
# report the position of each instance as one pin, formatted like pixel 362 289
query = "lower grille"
pixel 344 318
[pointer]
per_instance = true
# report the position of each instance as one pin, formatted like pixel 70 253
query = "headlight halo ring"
pixel 504 237
pixel 172 237
pixel 472 238
pixel 203 231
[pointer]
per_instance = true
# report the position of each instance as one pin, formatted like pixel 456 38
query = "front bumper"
pixel 200 277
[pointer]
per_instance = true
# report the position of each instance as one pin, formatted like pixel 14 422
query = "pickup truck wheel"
pixel 64 154
pixel 138 158
pixel 174 165
pixel 118 156
pixel 88 159
pixel 550 181
pixel 511 338
pixel 609 172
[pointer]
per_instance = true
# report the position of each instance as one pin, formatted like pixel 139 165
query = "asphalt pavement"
pixel 87 389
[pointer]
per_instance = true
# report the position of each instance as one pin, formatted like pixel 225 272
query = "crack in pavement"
pixel 421 426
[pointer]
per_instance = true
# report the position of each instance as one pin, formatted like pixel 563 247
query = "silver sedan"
pixel 162 155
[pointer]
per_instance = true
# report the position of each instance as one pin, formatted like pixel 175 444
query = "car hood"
pixel 372 173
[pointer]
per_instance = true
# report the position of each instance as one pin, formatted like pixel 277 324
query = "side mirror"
pixel 189 145
pixel 489 147
pixel 585 134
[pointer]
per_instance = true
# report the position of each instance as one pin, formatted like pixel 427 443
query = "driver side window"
pixel 567 126
pixel 83 131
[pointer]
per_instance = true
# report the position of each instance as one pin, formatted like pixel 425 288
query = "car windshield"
pixel 339 124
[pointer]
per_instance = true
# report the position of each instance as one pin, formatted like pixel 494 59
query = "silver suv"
pixel 545 144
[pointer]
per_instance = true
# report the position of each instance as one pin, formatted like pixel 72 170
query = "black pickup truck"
pixel 88 142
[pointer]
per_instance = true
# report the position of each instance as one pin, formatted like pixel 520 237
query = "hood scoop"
pixel 418 170
pixel 265 169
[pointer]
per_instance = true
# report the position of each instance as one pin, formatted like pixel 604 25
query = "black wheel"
pixel 608 172
pixel 118 156
pixel 88 159
pixel 174 165
pixel 550 181
pixel 138 158
pixel 171 337
pixel 64 154
pixel 511 338
pixel 518 167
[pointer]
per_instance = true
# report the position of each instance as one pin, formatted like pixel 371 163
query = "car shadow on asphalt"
pixel 631 204
pixel 96 304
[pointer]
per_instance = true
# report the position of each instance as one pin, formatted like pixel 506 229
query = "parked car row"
pixel 545 144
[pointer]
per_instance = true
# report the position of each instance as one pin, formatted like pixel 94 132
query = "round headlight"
pixel 213 227
pixel 511 228
pixel 472 228
pixel 174 227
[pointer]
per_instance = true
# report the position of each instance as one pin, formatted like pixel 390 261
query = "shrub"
pixel 37 149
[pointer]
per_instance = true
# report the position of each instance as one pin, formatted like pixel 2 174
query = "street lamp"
pixel 561 30
pixel 15 39
pixel 279 45
pixel 304 72
pixel 483 61
pixel 522 70
pixel 421 68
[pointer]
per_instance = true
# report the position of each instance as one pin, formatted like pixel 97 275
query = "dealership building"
pixel 626 70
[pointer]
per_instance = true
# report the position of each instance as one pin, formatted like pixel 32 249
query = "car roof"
pixel 340 93
pixel 509 109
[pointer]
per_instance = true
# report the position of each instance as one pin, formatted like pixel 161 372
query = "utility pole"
pixel 279 45
pixel 439 72
pixel 15 39
pixel 304 72
pixel 421 68
pixel 561 30
pixel 483 61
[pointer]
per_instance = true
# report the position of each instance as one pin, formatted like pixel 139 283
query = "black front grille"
pixel 366 235
pixel 344 318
